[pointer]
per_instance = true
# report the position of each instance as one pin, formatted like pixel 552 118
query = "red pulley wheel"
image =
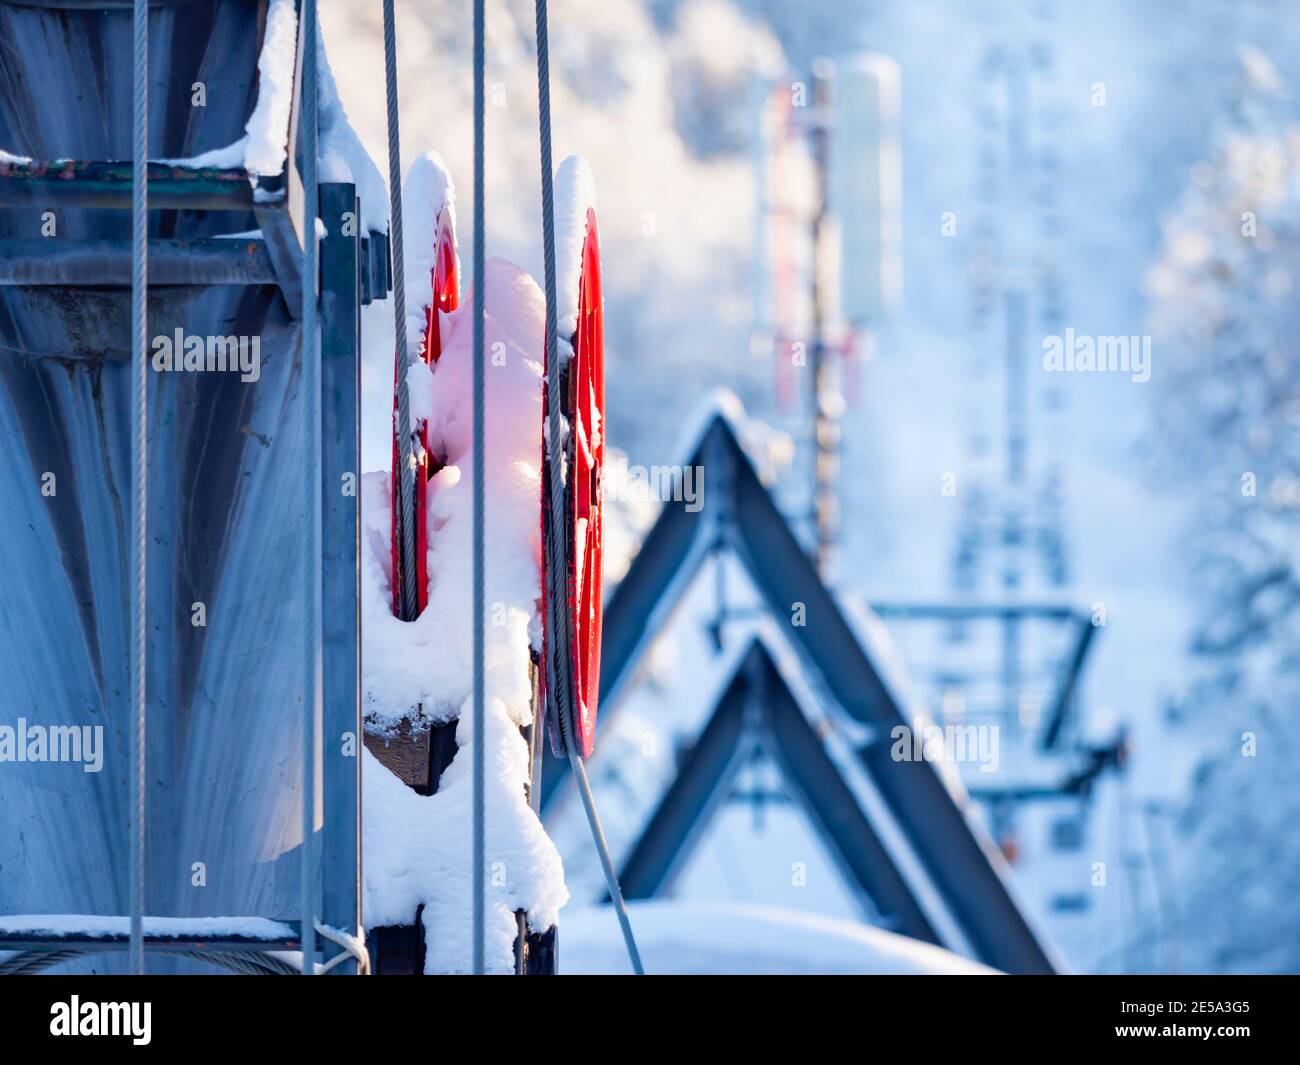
pixel 582 386
pixel 445 297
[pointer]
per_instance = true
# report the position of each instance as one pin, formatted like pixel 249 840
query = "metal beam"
pixel 829 801
pixel 80 183
pixel 973 611
pixel 703 780
pixel 98 5
pixel 108 262
pixel 376 272
pixel 936 827
pixel 340 354
pixel 1069 683
pixel 701 783
pixel 43 943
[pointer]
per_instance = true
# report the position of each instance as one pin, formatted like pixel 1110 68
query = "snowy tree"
pixel 1227 402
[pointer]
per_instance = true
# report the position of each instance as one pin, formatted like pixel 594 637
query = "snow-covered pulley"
pixel 445 298
pixel 582 384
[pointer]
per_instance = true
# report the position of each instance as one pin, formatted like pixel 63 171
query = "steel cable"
pixel 309 110
pixel 480 739
pixel 139 479
pixel 559 658
pixel 406 474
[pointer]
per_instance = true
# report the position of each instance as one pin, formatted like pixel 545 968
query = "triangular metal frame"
pixel 737 510
pixel 757 701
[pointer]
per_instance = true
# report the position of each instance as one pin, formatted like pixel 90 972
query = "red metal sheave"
pixel 583 388
pixel 445 297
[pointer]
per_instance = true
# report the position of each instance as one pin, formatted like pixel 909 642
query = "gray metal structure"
pixel 739 514
pixel 757 708
pixel 228 470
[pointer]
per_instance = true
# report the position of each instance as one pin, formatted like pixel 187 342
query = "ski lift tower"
pixel 1012 647
pixel 229 466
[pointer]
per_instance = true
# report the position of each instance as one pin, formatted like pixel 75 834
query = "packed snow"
pixel 735 939
pixel 417 848
pixel 575 195
pixel 267 144
pixel 426 663
pixel 343 158
pixel 427 192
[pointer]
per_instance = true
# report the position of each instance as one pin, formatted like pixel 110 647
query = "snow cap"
pixel 266 147
pixel 575 192
pixel 427 190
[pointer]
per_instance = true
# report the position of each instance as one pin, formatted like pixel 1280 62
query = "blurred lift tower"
pixel 1009 570
pixel 829 227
